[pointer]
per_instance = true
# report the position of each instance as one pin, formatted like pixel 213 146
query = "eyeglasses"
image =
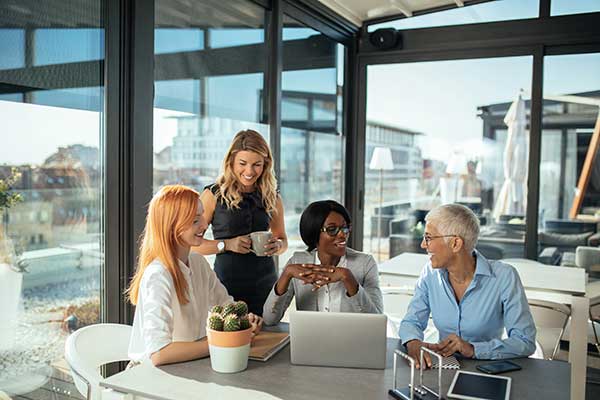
pixel 428 238
pixel 334 230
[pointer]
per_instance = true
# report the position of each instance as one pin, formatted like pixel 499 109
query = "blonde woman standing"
pixel 244 199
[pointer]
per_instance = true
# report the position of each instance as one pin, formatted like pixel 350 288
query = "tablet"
pixel 476 386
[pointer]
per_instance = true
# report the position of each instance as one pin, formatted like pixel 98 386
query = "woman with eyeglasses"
pixel 472 300
pixel 328 276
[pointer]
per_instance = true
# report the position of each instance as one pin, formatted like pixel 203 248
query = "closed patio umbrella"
pixel 512 198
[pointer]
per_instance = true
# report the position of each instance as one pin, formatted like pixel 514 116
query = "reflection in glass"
pixel 473 14
pixel 444 123
pixel 565 7
pixel 311 136
pixel 570 116
pixel 51 253
pixel 208 86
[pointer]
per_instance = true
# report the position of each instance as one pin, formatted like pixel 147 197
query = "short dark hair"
pixel 314 216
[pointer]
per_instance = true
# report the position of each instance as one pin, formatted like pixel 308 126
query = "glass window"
pixel 194 115
pixel 570 116
pixel 485 12
pixel 311 134
pixel 443 123
pixel 564 7
pixel 51 233
pixel 204 96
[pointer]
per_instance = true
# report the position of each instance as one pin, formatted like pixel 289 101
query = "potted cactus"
pixel 229 336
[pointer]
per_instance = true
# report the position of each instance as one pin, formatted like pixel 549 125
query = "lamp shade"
pixel 457 164
pixel 382 159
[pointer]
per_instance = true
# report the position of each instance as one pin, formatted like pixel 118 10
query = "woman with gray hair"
pixel 472 300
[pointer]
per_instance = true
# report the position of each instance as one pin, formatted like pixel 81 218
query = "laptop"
pixel 353 340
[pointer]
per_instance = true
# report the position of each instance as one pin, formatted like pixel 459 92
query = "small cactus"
pixel 244 323
pixel 215 322
pixel 232 323
pixel 241 308
pixel 228 309
pixel 217 309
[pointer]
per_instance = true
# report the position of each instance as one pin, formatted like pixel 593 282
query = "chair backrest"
pixel 550 320
pixel 88 348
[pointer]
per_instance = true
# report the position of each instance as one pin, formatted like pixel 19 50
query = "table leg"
pixel 578 346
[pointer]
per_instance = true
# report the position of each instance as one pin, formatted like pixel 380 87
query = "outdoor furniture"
pixel 91 347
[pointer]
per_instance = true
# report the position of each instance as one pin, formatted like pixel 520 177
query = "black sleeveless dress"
pixel 246 276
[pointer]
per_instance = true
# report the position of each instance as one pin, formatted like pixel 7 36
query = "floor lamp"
pixel 381 160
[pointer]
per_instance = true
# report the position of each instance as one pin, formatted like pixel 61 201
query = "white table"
pixel 541 282
pixel 279 379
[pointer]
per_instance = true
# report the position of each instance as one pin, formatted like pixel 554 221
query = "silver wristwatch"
pixel 220 246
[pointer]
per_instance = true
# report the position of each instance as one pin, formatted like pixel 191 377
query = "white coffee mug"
pixel 259 240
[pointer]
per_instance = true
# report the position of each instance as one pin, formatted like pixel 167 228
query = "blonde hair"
pixel 172 210
pixel 456 219
pixel 228 186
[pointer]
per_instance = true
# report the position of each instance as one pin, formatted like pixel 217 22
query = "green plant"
pixel 215 322
pixel 244 323
pixel 418 230
pixel 240 308
pixel 231 323
pixel 228 309
pixel 217 309
pixel 8 197
pixel 230 317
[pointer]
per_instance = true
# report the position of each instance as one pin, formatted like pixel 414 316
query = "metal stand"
pixel 411 391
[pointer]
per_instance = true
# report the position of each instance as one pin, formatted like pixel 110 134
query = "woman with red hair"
pixel 173 288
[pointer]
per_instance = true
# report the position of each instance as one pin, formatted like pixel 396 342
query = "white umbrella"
pixel 513 195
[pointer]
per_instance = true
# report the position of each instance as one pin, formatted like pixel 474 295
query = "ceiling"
pixel 358 11
pixel 191 13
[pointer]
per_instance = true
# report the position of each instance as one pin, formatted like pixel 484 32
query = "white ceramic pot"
pixel 10 295
pixel 229 351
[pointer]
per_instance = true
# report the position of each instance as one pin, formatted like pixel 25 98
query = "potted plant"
pixel 11 277
pixel 229 335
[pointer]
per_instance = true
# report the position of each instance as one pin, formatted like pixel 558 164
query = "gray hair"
pixel 455 219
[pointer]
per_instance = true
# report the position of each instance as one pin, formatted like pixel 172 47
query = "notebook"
pixel 447 363
pixel 266 344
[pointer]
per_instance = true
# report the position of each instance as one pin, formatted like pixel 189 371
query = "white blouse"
pixel 159 317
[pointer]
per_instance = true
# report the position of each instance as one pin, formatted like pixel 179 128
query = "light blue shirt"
pixel 495 300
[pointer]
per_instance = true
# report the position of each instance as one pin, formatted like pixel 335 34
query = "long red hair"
pixel 172 210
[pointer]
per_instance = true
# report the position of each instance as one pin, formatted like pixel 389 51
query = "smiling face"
pixel 334 246
pixel 194 235
pixel 440 253
pixel 248 166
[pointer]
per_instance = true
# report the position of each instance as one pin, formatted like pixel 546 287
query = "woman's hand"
pixel 273 246
pixel 414 350
pixel 454 344
pixel 256 323
pixel 304 272
pixel 326 274
pixel 241 244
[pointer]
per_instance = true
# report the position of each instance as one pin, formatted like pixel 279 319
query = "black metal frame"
pixel 570 34
pixel 129 88
pixel 129 94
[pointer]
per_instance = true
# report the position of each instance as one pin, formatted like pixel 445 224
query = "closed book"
pixel 266 344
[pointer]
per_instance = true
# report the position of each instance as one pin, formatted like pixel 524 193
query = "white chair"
pixel 550 320
pixel 395 304
pixel 88 348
